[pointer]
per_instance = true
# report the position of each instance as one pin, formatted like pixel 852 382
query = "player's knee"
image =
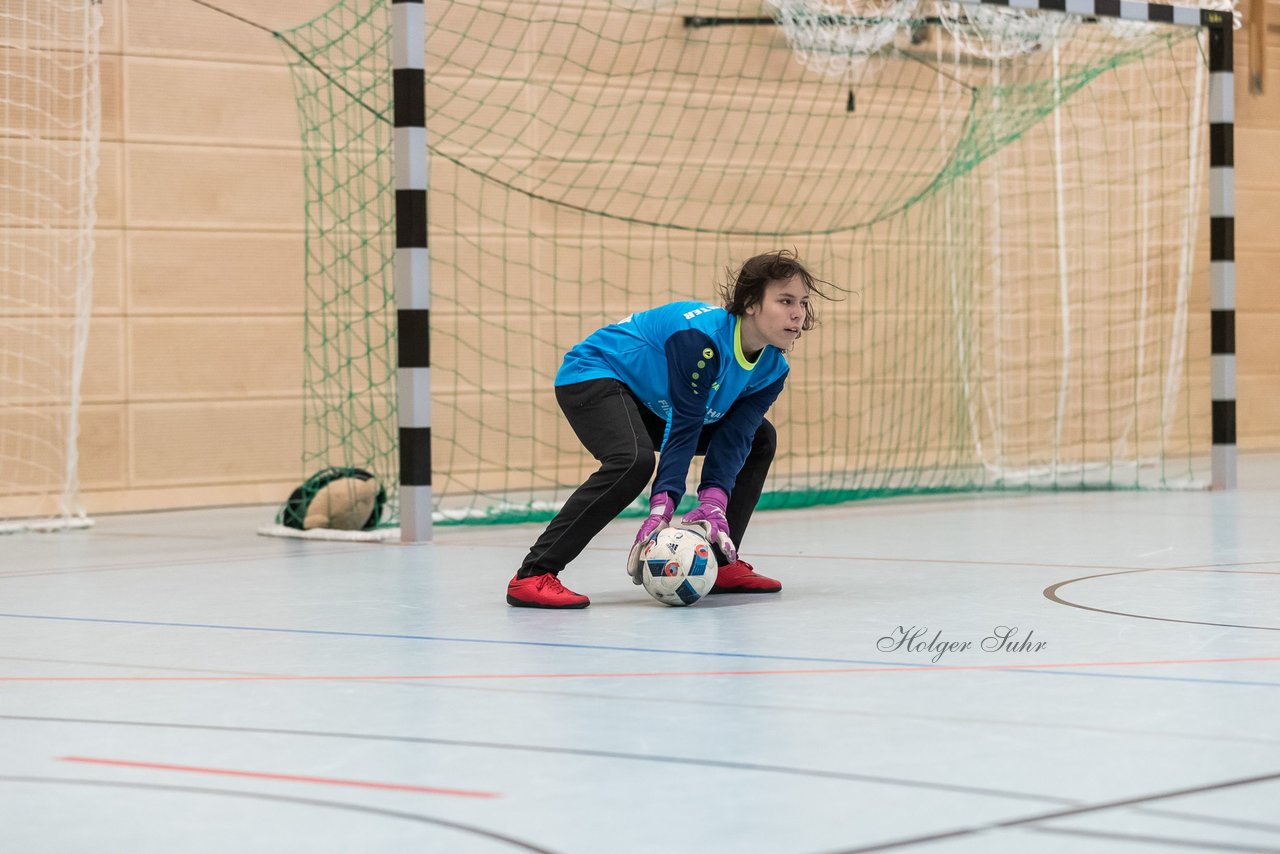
pixel 766 441
pixel 633 470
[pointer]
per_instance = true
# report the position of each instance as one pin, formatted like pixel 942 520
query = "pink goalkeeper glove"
pixel 661 506
pixel 708 517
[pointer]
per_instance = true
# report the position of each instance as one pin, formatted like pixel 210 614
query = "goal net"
pixel 49 134
pixel 1014 200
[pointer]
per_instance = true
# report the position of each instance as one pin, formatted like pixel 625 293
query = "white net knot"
pixel 834 39
pixel 998 32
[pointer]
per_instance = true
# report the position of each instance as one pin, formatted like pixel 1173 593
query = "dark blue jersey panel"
pixel 733 436
pixel 690 374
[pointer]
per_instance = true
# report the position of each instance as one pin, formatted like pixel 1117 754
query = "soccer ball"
pixel 678 567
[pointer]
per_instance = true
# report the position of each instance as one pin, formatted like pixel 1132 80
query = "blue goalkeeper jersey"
pixel 684 361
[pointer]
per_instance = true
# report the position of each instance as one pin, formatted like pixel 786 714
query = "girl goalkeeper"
pixel 683 379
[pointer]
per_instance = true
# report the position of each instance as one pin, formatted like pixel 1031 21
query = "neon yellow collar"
pixel 743 362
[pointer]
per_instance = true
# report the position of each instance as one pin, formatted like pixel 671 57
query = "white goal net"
pixel 49 137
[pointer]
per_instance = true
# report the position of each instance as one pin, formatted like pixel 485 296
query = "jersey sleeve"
pixel 692 366
pixel 732 440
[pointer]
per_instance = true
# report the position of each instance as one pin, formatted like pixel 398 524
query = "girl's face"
pixel 777 318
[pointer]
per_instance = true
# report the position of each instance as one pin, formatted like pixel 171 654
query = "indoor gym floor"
pixel 172 682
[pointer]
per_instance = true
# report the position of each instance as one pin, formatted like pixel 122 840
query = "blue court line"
pixel 603 647
pixel 387 636
pixel 1045 672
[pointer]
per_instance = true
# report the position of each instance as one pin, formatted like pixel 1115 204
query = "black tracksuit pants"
pixel 624 435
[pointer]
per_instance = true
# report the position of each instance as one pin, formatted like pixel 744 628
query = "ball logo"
pixel 672 569
pixel 701 557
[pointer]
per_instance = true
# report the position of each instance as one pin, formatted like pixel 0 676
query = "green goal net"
pixel 1014 201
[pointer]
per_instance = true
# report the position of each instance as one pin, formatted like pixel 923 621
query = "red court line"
pixel 410 677
pixel 292 778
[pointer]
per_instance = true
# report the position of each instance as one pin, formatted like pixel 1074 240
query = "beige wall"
pixel 1258 243
pixel 193 392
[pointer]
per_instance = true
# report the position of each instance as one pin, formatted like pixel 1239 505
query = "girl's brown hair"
pixel 746 287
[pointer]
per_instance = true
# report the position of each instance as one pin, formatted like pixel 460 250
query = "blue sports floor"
pixel 172 682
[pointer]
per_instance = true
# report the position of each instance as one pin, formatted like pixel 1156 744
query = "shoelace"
pixel 550 578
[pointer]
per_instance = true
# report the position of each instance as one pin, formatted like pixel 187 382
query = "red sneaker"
pixel 739 577
pixel 543 591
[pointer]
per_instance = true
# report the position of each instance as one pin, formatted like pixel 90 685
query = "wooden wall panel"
pixel 108 272
pixel 1258 246
pixel 1256 153
pixel 206 103
pixel 1258 279
pixel 104 455
pixel 36 365
pixel 207 188
pixel 192 31
pixel 1258 410
pixel 198 269
pixel 111 37
pixel 1257 212
pixel 235 358
pixel 1256 111
pixel 472 436
pixel 104 362
pixel 234 273
pixel 110 79
pixel 110 189
pixel 202 443
pixel 1258 388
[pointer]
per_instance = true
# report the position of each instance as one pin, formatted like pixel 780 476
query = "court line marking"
pixel 445 639
pixel 631 699
pixel 924 560
pixel 639 757
pixel 1150 839
pixel 188 562
pixel 1058 727
pixel 1197 818
pixel 723 764
pixel 876 665
pixel 118 665
pixel 1063 813
pixel 288 778
pixel 1256 683
pixel 1051 593
pixel 804 671
pixel 1218 567
pixel 287 799
pixel 256 556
